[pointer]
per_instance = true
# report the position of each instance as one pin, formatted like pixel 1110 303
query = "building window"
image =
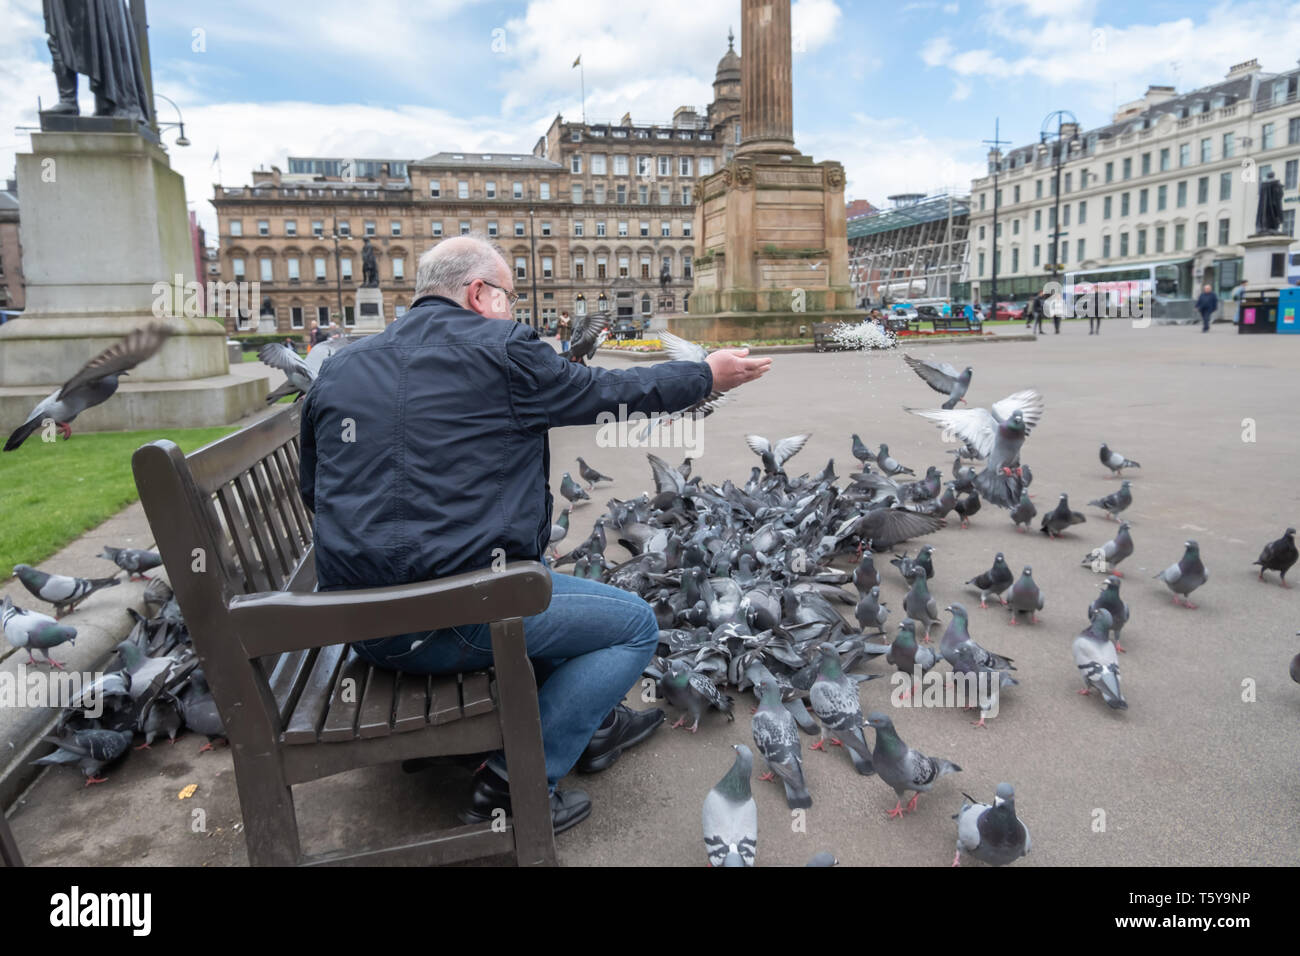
pixel 263 227
pixel 395 228
pixel 1182 194
pixel 620 194
pixel 1123 245
pixel 1015 227
pixel 600 228
pixel 319 264
pixel 1184 154
pixel 665 195
pixel 1123 204
pixel 1105 208
pixel 579 267
pixel 665 228
pixel 575 164
pixel 317 228
pixel 1202 235
pixel 643 165
pixel 1293 130
pixel 399 268
pixel 1065 217
pixel 1146 164
pixel 295 316
pixel 464 228
pixel 518 190
pixel 580 306
pixel 345 269
pixel 686 195
pixel 1225 186
pixel 344 228
pixel 1266 135
pixel 237 265
pixel 577 194
pixel 1038 220
pixel 543 190
pixel 1068 179
pixel 291 227
pixel 265 267
pixel 1110 172
pixel 1291 170
pixel 645 303
pixel 1037 256
pixel 622 228
pixel 643 194
pixel 462 189
pixel 546 229
pixel 1288 222
pixel 490 189
pixel 1229 145
pixel 1223 232
pixel 236 227
pixel 1279 92
pixel 706 165
pixel 1203 189
pixel 665 166
pixel 1083 211
pixel 435 189
pixel 686 229
pixel 293 267
pixel 1128 168
pixel 1142 201
pixel 688 267
pixel 683 165
pixel 645 267
pixel 1162 198
pixel 435 229
pixel 602 267
pixel 620 166
pixel 399 310
pixel 1105 247
pixel 1180 237
pixel 370 227
pixel 492 228
pixel 519 228
pixel 598 192
pixel 577 228
pixel 1160 238
pixel 1142 242
pixel 645 228
pixel 349 315
pixel 548 267
pixel 983 196
pixel 624 267
pixel 521 267
pixel 598 164
pixel 981 272
pixel 322 315
pixel 1015 195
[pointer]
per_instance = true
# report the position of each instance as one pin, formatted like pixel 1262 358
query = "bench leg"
pixel 9 855
pixel 265 800
pixel 521 730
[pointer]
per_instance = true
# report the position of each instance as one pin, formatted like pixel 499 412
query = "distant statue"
pixel 1268 214
pixel 268 307
pixel 369 268
pixel 665 277
pixel 97 38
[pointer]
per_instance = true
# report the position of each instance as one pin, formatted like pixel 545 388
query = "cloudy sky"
pixel 901 93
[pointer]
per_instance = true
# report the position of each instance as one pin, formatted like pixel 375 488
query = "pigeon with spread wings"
pixel 94 384
pixel 775 456
pixel 589 333
pixel 943 378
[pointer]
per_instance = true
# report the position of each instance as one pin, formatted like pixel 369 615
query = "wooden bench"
pixel 957 323
pixel 9 855
pixel 297 702
pixel 823 340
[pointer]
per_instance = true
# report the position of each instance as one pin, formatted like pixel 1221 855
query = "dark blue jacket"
pixel 1207 302
pixel 424 447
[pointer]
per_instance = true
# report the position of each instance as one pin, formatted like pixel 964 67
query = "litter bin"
pixel 1258 312
pixel 1288 311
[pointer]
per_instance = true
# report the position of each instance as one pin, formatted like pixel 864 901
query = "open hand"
pixel 731 368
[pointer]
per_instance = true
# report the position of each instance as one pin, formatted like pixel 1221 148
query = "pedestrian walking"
pixel 1036 311
pixel 1206 304
pixel 565 327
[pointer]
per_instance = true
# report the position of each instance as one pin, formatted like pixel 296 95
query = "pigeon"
pixel 694 693
pixel 902 767
pixel 887 464
pixel 922 564
pixel 299 375
pixel 132 560
pixel 1110 600
pixel 1025 596
pixel 559 531
pixel 63 592
pixel 921 607
pixel 591 475
pixel 882 528
pixel 967 657
pixel 943 378
pixel 148 674
pixel 835 702
pixel 992 834
pixel 1115 461
pixel 870 612
pixel 680 350
pixel 199 709
pixel 571 490
pixel 907 656
pixel 33 631
pixel 774 458
pixel 1060 518
pixel 90 749
pixel 1295 665
pixel 861 452
pixel 1186 575
pixel 994 581
pixel 1023 512
pixel 730 815
pixel 1103 559
pixel 967 507
pixel 162 716
pixel 94 384
pixel 777 739
pixel 1116 501
pixel 823 858
pixel 865 575
pixel 1097 661
pixel 589 333
pixel 1279 555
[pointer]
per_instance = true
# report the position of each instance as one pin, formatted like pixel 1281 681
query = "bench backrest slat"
pixel 255 576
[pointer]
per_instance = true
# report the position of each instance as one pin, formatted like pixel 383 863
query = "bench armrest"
pixel 272 622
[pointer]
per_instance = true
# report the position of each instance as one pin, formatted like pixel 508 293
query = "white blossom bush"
pixel 864 335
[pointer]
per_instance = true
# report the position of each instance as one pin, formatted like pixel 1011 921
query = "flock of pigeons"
pixel 742 582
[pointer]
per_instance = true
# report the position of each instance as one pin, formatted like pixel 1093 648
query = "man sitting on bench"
pixel 424 454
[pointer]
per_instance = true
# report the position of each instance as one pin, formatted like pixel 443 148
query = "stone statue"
pixel 369 269
pixel 268 307
pixel 1268 214
pixel 665 277
pixel 97 38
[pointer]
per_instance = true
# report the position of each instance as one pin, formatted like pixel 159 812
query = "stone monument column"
pixel 766 97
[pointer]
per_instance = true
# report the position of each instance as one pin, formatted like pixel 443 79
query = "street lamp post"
pixel 996 144
pixel 1062 145
pixel 182 139
pixel 536 310
pixel 338 269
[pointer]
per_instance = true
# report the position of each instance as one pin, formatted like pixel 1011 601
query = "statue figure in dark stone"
pixel 369 268
pixel 268 307
pixel 1268 214
pixel 97 38
pixel 665 277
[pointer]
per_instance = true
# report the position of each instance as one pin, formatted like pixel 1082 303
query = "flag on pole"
pixel 576 62
pixel 216 157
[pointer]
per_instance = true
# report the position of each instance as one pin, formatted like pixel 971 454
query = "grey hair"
pixel 451 264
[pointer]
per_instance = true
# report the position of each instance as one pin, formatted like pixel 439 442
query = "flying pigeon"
pixel 1110 600
pixel 774 458
pixel 943 378
pixel 571 490
pixel 1103 559
pixel 298 374
pixel 992 834
pixel 1279 555
pixel 1025 596
pixel 589 333
pixel 1023 512
pixel 870 612
pixel 1115 461
pixel 694 693
pixel 94 384
pixel 33 631
pixel 921 607
pixel 680 350
pixel 133 560
pixel 1060 518
pixel 591 475
pixel 730 815
pixel 777 739
pixel 994 581
pixel 902 767
pixel 835 702
pixel 91 750
pixel 1097 661
pixel 1186 575
pixel 63 592
pixel 907 656
pixel 997 434
pixel 1116 501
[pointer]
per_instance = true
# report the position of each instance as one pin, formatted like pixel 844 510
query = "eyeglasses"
pixel 511 297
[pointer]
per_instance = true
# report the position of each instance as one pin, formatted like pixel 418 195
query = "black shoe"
pixel 629 728
pixel 491 793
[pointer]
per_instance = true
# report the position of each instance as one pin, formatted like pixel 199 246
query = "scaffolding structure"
pixel 916 250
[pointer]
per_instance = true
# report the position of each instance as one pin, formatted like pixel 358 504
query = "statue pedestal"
pixel 266 325
pixel 1263 261
pixel 107 249
pixel 370 311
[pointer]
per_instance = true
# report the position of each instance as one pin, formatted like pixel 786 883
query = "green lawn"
pixel 52 492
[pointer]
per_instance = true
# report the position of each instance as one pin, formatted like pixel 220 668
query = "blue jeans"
pixel 588 648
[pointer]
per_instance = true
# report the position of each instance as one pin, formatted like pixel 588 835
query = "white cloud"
pixel 961 90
